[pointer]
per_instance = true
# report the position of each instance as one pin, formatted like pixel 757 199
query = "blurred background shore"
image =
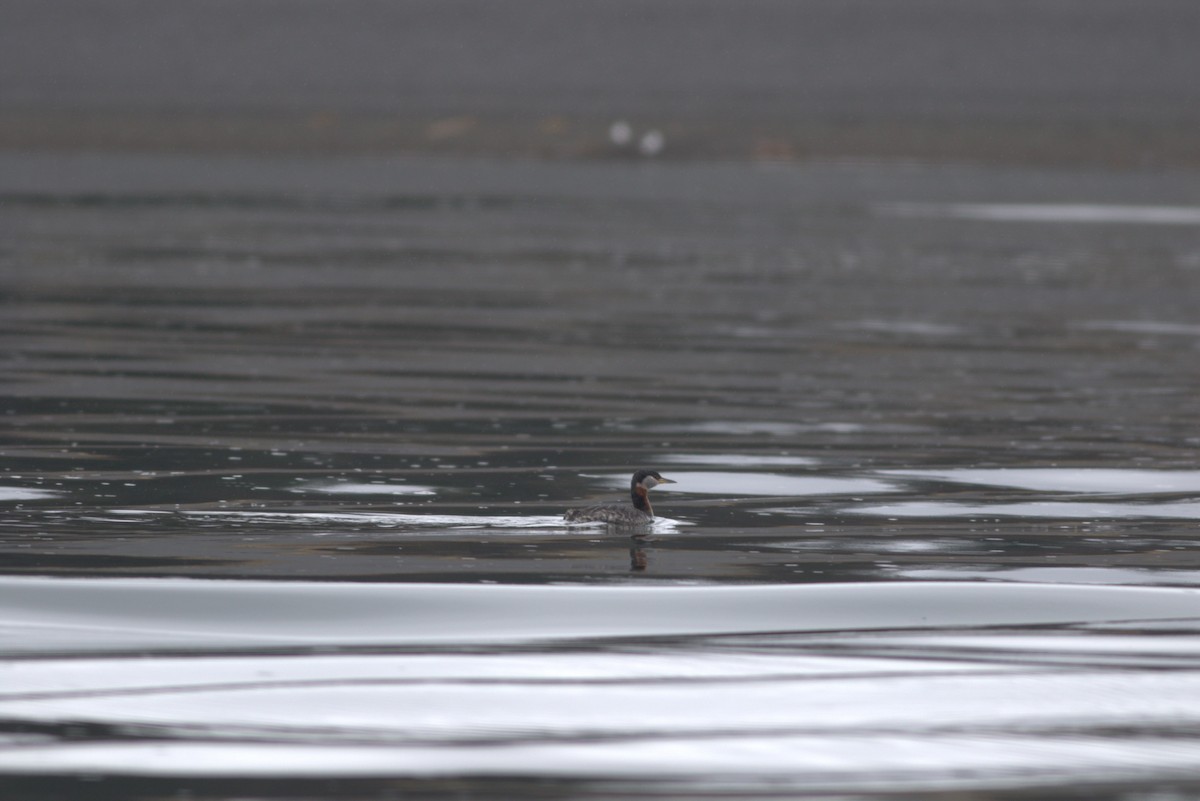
pixel 1098 83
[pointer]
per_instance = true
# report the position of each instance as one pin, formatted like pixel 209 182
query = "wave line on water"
pixel 391 519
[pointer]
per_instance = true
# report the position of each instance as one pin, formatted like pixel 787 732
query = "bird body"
pixel 637 513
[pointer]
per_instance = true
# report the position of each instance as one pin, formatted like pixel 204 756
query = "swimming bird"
pixel 623 514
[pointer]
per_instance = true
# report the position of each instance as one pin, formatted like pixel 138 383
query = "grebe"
pixel 622 514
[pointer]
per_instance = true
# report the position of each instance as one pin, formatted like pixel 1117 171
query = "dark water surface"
pixel 911 411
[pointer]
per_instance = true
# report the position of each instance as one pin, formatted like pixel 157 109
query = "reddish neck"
pixel 641 499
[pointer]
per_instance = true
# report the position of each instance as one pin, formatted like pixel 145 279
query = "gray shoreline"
pixel 1116 144
pixel 1107 83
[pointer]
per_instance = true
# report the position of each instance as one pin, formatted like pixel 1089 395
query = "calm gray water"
pixel 934 432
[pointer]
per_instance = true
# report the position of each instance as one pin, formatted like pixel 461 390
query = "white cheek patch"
pixel 649 481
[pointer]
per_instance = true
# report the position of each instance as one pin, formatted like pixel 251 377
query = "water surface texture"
pixel 287 446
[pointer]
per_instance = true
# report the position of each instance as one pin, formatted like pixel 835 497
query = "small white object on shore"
pixel 620 133
pixel 652 143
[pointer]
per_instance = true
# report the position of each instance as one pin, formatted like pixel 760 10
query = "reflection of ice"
pixel 1049 212
pixel 1065 510
pixel 736 460
pixel 1124 482
pixel 777 428
pixel 1056 575
pixel 815 688
pixel 816 685
pixel 861 544
pixel 64 615
pixel 190 675
pixel 349 488
pixel 765 484
pixel 1142 327
pixel 855 762
pixel 25 494
pixel 744 427
pixel 916 327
